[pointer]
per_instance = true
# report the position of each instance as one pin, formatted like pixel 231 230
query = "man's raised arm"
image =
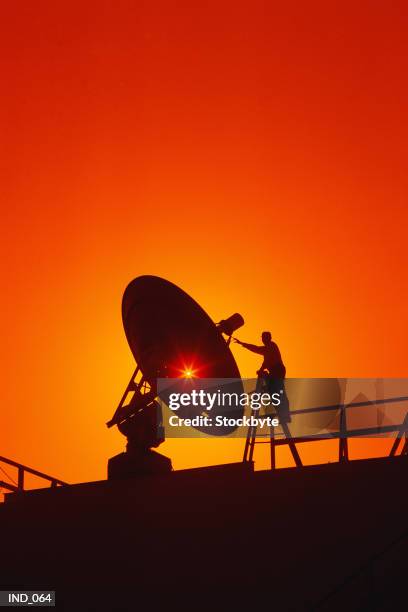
pixel 251 347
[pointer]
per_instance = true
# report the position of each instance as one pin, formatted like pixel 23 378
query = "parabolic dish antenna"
pixel 171 336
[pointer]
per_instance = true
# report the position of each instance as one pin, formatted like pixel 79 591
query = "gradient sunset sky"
pixel 254 153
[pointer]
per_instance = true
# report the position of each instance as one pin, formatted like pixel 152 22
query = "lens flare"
pixel 188 370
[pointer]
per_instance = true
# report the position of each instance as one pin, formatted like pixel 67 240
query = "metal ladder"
pixel 251 439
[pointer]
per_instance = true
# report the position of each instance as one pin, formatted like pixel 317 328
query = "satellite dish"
pixel 171 336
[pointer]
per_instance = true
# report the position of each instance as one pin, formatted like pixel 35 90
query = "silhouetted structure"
pixel 21 471
pixel 329 537
pixel 169 335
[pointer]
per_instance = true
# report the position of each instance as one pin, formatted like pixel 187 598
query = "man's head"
pixel 266 337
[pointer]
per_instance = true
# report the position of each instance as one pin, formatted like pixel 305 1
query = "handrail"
pixel 343 434
pixel 7 485
pixel 388 400
pixel 22 470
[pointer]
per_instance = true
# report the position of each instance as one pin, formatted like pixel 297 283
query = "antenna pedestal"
pixel 143 463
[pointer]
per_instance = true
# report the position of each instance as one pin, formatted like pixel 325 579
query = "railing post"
pixel 20 479
pixel 405 447
pixel 343 442
pixel 273 450
pixel 401 432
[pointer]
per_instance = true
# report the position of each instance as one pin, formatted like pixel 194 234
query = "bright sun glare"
pixel 188 371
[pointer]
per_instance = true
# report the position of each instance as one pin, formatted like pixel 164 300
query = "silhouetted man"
pixel 272 363
pixel 272 370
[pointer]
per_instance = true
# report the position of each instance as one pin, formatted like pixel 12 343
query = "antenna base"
pixel 143 463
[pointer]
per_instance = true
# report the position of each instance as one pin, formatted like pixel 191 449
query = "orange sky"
pixel 252 152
